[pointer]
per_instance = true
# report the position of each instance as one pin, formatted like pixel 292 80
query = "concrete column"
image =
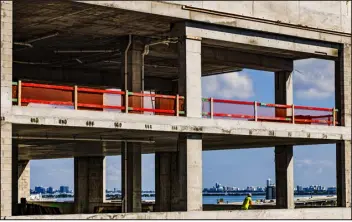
pixel 131 152
pixel 131 161
pixel 89 173
pixel 163 181
pixel 284 177
pixel 23 179
pixel 284 154
pixel 190 70
pixel 283 92
pixel 6 103
pixel 14 177
pixel 190 172
pixel 343 104
pixel 132 80
pixel 166 182
pixel 189 155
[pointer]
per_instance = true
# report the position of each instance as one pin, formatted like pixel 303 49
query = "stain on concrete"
pixel 253 42
pixel 226 131
pixel 335 52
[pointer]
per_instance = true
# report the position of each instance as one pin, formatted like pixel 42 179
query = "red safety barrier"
pixel 92 99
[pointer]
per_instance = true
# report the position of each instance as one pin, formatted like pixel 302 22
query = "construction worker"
pixel 247 202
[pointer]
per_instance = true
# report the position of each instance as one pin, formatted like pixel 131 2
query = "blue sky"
pixel 313 86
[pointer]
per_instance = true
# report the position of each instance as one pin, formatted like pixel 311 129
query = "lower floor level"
pixel 308 213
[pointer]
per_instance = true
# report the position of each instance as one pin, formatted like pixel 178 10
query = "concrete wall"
pixel 310 213
pixel 6 104
pixel 328 15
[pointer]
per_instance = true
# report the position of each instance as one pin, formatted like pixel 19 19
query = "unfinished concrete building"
pixel 72 52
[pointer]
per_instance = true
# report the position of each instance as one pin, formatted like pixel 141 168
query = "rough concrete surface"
pixel 314 10
pixel 47 116
pixel 320 213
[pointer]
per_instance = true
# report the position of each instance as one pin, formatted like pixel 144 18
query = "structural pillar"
pixel 89 173
pixel 23 179
pixel 131 161
pixel 284 154
pixel 189 146
pixel 132 70
pixel 343 104
pixel 6 200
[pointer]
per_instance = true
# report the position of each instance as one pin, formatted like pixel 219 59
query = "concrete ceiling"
pixel 77 26
pixel 47 147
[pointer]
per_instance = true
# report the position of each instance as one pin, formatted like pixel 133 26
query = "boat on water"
pixel 39 197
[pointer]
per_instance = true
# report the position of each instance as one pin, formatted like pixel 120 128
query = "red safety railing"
pixel 92 98
pixel 253 111
pixel 84 98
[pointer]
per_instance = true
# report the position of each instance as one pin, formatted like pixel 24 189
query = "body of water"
pixel 207 199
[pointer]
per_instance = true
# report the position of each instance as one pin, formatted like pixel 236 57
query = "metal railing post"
pixel 75 97
pixel 334 116
pixel 211 107
pixel 19 93
pixel 177 105
pixel 126 101
pixel 293 114
pixel 255 111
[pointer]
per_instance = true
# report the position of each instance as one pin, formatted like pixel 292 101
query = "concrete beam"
pixel 78 118
pixel 237 20
pixel 245 59
pixel 259 41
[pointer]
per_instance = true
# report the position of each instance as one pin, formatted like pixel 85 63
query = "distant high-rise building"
pixel 268 182
pixel 39 189
pixel 50 190
pixel 64 189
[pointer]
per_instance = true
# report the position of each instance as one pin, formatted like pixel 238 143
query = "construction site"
pixel 72 54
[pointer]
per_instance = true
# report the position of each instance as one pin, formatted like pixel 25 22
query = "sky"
pixel 313 83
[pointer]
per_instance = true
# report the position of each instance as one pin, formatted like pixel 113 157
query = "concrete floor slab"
pixel 309 213
pixel 107 120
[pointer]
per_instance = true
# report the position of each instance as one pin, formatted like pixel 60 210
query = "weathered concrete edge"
pixel 309 213
pixel 79 118
pixel 175 10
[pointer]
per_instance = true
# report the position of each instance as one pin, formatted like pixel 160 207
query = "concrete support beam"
pixel 251 40
pixel 163 182
pixel 284 90
pixel 89 179
pixel 23 179
pixel 343 173
pixel 245 59
pixel 14 178
pixel 190 70
pixel 131 161
pixel 284 177
pixel 343 104
pixel 189 172
pixel 6 200
pixel 132 80
pixel 284 154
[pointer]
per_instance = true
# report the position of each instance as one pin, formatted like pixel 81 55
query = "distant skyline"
pixel 313 86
